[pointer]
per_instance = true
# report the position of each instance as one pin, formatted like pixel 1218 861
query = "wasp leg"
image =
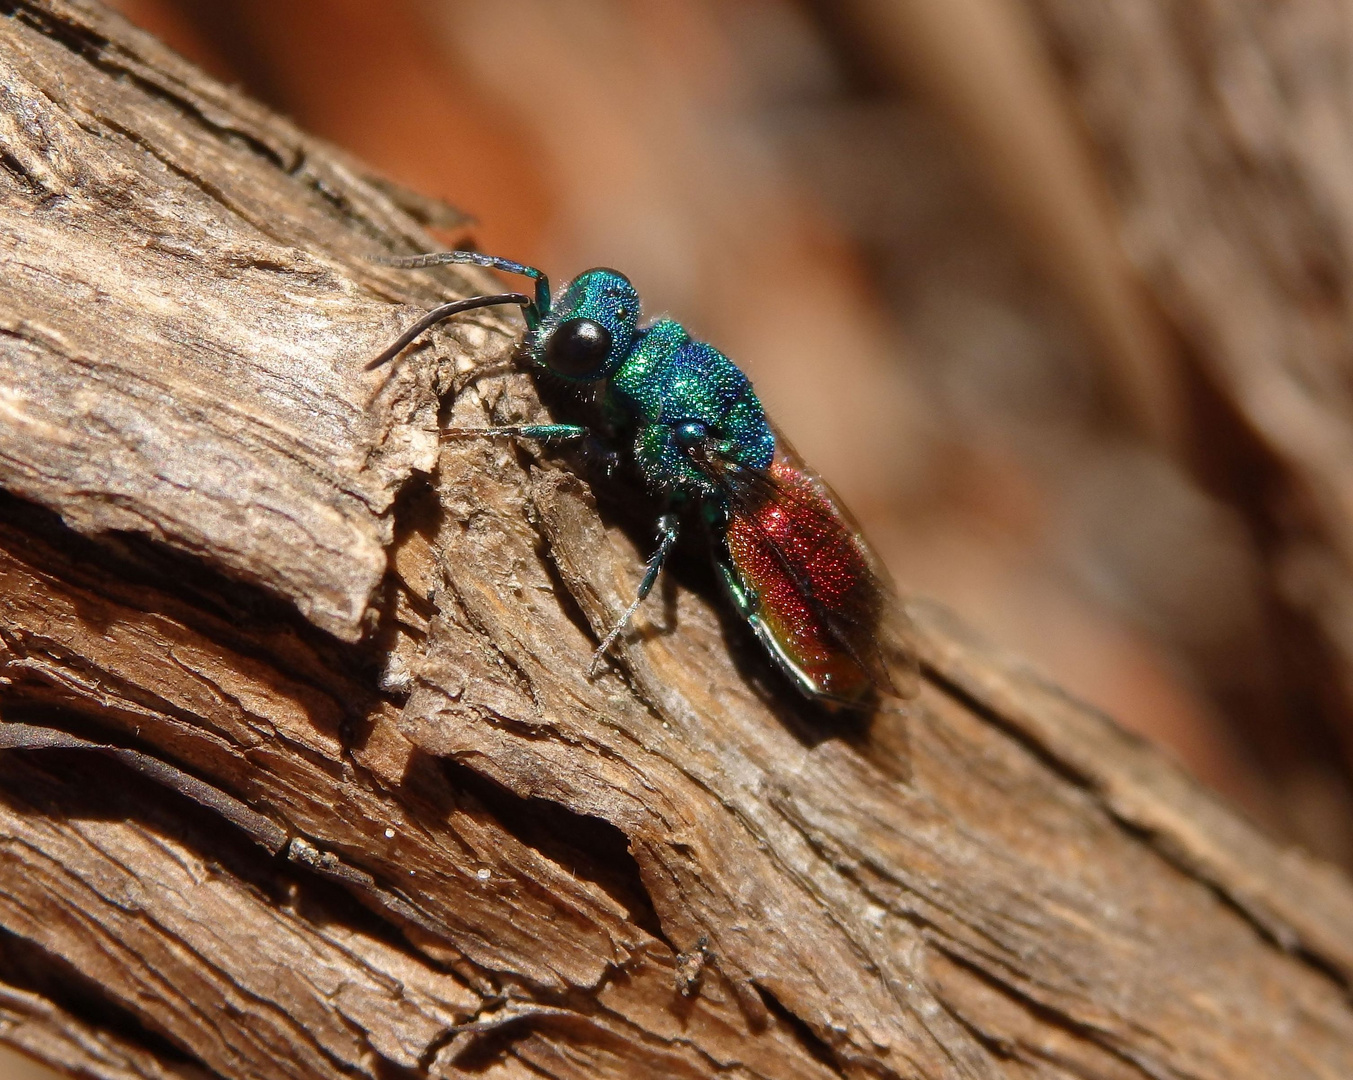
pixel 539 432
pixel 669 525
pixel 594 450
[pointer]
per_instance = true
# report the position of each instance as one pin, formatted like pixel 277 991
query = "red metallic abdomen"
pixel 805 567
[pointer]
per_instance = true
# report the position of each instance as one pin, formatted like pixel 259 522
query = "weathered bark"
pixel 228 545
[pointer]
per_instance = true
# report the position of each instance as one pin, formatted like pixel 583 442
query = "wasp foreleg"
pixel 669 527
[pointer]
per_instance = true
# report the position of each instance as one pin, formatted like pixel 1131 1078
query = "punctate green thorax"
pixel 670 389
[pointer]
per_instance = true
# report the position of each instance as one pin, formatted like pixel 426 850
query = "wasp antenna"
pixel 535 312
pixel 441 314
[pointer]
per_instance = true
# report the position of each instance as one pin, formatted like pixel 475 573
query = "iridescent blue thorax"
pixel 668 390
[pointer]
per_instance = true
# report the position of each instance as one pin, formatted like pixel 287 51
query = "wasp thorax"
pixel 578 348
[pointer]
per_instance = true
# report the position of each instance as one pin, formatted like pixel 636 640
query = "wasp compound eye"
pixel 578 347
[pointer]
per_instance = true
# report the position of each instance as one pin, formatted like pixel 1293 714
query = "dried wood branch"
pixel 229 547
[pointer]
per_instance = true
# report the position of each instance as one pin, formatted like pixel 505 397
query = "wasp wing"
pixel 821 587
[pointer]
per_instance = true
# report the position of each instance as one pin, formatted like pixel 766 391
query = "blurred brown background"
pixel 1053 291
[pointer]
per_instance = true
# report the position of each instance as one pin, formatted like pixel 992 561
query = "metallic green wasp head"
pixel 589 329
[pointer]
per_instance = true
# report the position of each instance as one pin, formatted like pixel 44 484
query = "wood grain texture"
pixel 153 214
pixel 227 545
